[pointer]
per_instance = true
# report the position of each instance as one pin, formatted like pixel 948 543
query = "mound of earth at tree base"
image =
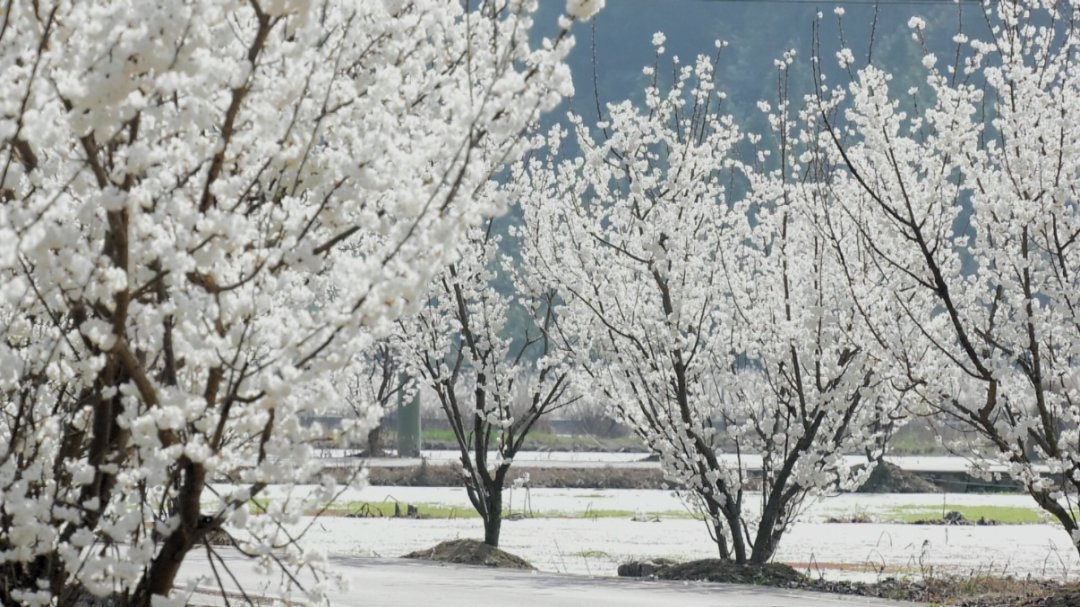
pixel 727 572
pixel 471 552
pixel 644 568
pixel 716 570
pixel 956 591
pixel 1066 596
pixel 890 478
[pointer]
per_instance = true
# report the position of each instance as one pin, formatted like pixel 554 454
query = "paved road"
pixel 400 583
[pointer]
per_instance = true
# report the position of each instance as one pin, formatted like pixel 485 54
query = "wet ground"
pixel 586 539
pixel 391 583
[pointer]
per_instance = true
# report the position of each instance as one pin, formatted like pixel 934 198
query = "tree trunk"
pixel 728 514
pixel 162 571
pixel 721 541
pixel 374 442
pixel 764 548
pixel 718 530
pixel 738 540
pixel 493 522
pixel 767 538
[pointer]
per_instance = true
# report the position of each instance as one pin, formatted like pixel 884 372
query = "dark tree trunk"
pixel 492 528
pixel 764 548
pixel 374 442
pixel 738 541
pixel 160 577
pixel 719 535
pixel 721 541
pixel 493 522
pixel 767 535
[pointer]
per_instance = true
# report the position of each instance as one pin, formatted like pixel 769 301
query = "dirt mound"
pixel 958 591
pixel 890 478
pixel 471 552
pixel 644 568
pixel 961 591
pixel 727 572
pixel 1066 596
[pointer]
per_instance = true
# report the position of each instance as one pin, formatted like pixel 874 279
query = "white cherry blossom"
pixel 205 209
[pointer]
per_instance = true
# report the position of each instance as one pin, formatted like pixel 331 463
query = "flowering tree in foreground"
pixel 692 310
pixel 493 381
pixel 969 210
pixel 176 179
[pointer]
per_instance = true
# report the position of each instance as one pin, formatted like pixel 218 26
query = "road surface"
pixel 397 582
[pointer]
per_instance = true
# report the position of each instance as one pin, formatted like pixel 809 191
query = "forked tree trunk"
pixel 727 528
pixel 764 547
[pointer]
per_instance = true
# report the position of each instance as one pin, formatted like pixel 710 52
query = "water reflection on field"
pixel 590 531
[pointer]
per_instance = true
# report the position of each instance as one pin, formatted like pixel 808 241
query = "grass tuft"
pixel 1006 515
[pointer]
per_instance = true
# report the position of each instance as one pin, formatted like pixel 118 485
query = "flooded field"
pixel 592 531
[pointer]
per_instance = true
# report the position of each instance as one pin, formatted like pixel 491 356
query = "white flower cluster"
pixel 204 207
pixel 973 224
pixel 493 378
pixel 706 322
pixel 583 10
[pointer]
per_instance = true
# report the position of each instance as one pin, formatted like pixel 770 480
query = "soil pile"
pixel 471 552
pixel 974 591
pixel 890 478
pixel 1066 596
pixel 726 572
pixel 715 570
pixel 644 568
pixel 959 591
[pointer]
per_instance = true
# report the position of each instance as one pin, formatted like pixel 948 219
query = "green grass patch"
pixel 591 554
pixel 914 444
pixel 389 509
pixel 609 513
pixel 443 435
pixel 380 509
pixel 1006 515
pixel 589 513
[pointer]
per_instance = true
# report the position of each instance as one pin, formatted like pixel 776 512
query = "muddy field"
pixel 592 531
